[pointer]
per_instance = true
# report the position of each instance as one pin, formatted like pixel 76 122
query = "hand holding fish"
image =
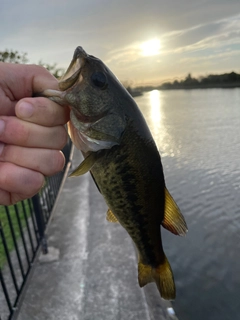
pixel 32 131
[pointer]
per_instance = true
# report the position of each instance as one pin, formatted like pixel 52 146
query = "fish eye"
pixel 99 80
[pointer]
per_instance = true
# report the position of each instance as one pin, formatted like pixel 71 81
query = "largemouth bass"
pixel 119 151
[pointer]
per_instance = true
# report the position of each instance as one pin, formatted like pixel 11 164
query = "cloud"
pixel 217 34
pixel 204 36
pixel 113 31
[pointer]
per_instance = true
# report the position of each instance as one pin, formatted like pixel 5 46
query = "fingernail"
pixel 25 110
pixel 1 147
pixel 2 126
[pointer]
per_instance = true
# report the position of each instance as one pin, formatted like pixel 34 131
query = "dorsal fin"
pixel 173 219
pixel 111 217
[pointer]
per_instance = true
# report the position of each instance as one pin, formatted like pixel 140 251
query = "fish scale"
pixel 133 198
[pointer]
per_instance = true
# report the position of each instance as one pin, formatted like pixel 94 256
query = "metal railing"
pixel 22 232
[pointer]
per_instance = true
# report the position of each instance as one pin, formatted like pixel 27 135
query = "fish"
pixel 122 157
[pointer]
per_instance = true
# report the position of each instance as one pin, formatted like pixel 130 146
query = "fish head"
pixel 94 96
pixel 85 83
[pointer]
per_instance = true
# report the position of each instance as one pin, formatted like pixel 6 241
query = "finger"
pixel 8 198
pixel 5 198
pixel 20 182
pixel 7 106
pixel 21 80
pixel 46 161
pixel 18 132
pixel 42 111
pixel 18 81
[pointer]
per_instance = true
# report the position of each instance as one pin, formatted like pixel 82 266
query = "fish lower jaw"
pixel 54 94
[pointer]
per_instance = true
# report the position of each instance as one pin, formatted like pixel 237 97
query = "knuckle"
pixel 60 163
pixel 3 154
pixel 52 162
pixel 24 135
pixel 55 114
pixel 17 132
pixel 57 164
pixel 52 113
pixel 19 183
pixel 5 198
pixel 34 183
pixel 47 112
pixel 15 198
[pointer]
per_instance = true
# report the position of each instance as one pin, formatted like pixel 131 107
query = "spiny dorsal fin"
pixel 110 216
pixel 173 219
pixel 86 165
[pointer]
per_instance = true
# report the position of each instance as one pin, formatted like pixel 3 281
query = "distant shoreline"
pixel 222 81
pixel 141 90
pixel 203 86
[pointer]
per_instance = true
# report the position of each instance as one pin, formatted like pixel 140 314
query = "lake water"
pixel 198 135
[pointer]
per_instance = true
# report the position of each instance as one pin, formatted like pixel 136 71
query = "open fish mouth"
pixel 73 72
pixel 68 80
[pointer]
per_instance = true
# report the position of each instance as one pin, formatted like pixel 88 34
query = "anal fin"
pixel 173 219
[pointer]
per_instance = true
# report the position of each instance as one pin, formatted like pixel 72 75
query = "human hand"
pixel 32 131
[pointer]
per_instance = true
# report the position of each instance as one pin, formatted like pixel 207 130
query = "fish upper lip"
pixel 79 53
pixel 73 71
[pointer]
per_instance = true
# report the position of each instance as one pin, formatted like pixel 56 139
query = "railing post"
pixel 40 222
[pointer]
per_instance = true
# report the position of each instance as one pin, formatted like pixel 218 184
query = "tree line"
pixel 12 56
pixel 231 79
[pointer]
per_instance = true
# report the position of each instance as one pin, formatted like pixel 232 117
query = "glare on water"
pixel 198 136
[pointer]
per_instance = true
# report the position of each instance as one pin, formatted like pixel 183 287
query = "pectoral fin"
pixel 173 219
pixel 110 216
pixel 86 165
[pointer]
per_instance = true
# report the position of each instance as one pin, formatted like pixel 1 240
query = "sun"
pixel 151 47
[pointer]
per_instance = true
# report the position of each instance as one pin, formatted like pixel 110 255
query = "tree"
pixel 13 56
pixel 189 81
pixel 16 57
pixel 52 68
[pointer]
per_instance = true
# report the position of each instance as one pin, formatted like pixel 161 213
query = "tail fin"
pixel 162 276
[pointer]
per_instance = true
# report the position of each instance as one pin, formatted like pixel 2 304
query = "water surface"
pixel 198 135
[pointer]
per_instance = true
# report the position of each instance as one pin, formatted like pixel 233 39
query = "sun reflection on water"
pixel 154 108
pixel 155 101
pixel 158 125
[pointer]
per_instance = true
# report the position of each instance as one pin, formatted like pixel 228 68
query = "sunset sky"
pixel 142 41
